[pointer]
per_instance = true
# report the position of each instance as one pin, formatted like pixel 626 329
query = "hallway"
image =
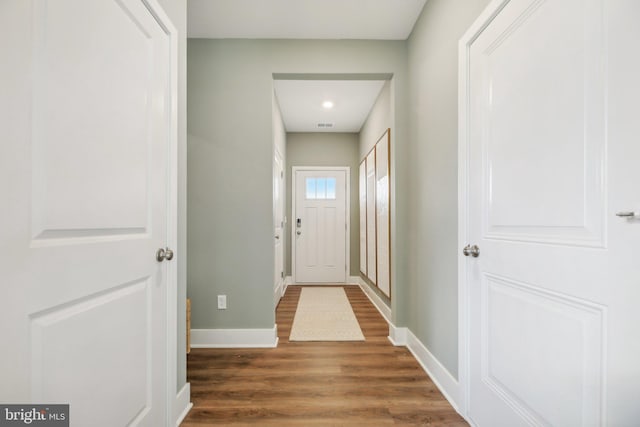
pixel 316 383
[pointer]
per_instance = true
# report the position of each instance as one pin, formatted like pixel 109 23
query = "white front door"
pixel 550 127
pixel 85 114
pixel 278 224
pixel 320 225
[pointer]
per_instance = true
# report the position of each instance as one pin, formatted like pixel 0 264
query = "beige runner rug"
pixel 324 314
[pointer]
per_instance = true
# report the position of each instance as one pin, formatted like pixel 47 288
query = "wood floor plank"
pixel 370 383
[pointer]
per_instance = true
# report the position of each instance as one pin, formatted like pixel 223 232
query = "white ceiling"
pixel 301 103
pixel 303 19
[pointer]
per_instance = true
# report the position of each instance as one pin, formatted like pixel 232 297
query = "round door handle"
pixel 164 253
pixel 298 232
pixel 474 251
pixel 277 237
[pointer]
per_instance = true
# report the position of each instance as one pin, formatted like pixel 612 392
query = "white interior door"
pixel 85 116
pixel 278 224
pixel 320 226
pixel 552 142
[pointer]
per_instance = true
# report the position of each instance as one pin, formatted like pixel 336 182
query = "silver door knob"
pixel 474 251
pixel 298 232
pixel 164 253
pixel 277 237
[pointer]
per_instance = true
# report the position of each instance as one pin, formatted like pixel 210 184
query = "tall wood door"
pixel 553 155
pixel 85 115
pixel 278 224
pixel 320 226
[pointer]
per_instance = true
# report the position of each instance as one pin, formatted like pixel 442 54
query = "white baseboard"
pixel 234 338
pixel 397 336
pixel 183 404
pixel 383 308
pixel 278 292
pixel 441 377
pixel 287 281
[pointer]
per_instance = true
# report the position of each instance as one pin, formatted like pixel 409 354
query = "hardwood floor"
pixel 368 383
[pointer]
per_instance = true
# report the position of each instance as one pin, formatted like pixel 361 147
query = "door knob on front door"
pixel 474 251
pixel 164 253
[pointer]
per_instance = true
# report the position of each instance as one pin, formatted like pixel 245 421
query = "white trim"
pixel 182 404
pixel 375 299
pixel 287 281
pixel 279 288
pixel 440 376
pixel 353 280
pixel 464 47
pixel 347 253
pixel 397 335
pixel 278 292
pixel 234 338
pixel 172 211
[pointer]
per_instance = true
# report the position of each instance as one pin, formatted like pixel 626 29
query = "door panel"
pixel 61 333
pixel 320 238
pixel 549 341
pixel 542 55
pixel 314 238
pixel 532 336
pixel 89 154
pixel 106 90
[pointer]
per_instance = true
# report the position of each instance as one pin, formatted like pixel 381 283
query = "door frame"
pixel 464 99
pixel 279 288
pixel 347 210
pixel 173 411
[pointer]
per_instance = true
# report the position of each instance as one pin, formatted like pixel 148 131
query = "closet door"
pixel 383 235
pixel 371 217
pixel 363 216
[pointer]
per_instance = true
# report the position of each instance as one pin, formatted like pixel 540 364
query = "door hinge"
pixel 282 274
pixel 281 174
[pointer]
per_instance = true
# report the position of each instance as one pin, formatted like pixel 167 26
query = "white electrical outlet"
pixel 222 302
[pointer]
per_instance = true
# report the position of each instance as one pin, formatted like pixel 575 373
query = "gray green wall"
pixel 325 149
pixel 432 291
pixel 380 118
pixel 230 144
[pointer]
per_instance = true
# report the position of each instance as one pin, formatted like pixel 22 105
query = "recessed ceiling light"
pixel 327 104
